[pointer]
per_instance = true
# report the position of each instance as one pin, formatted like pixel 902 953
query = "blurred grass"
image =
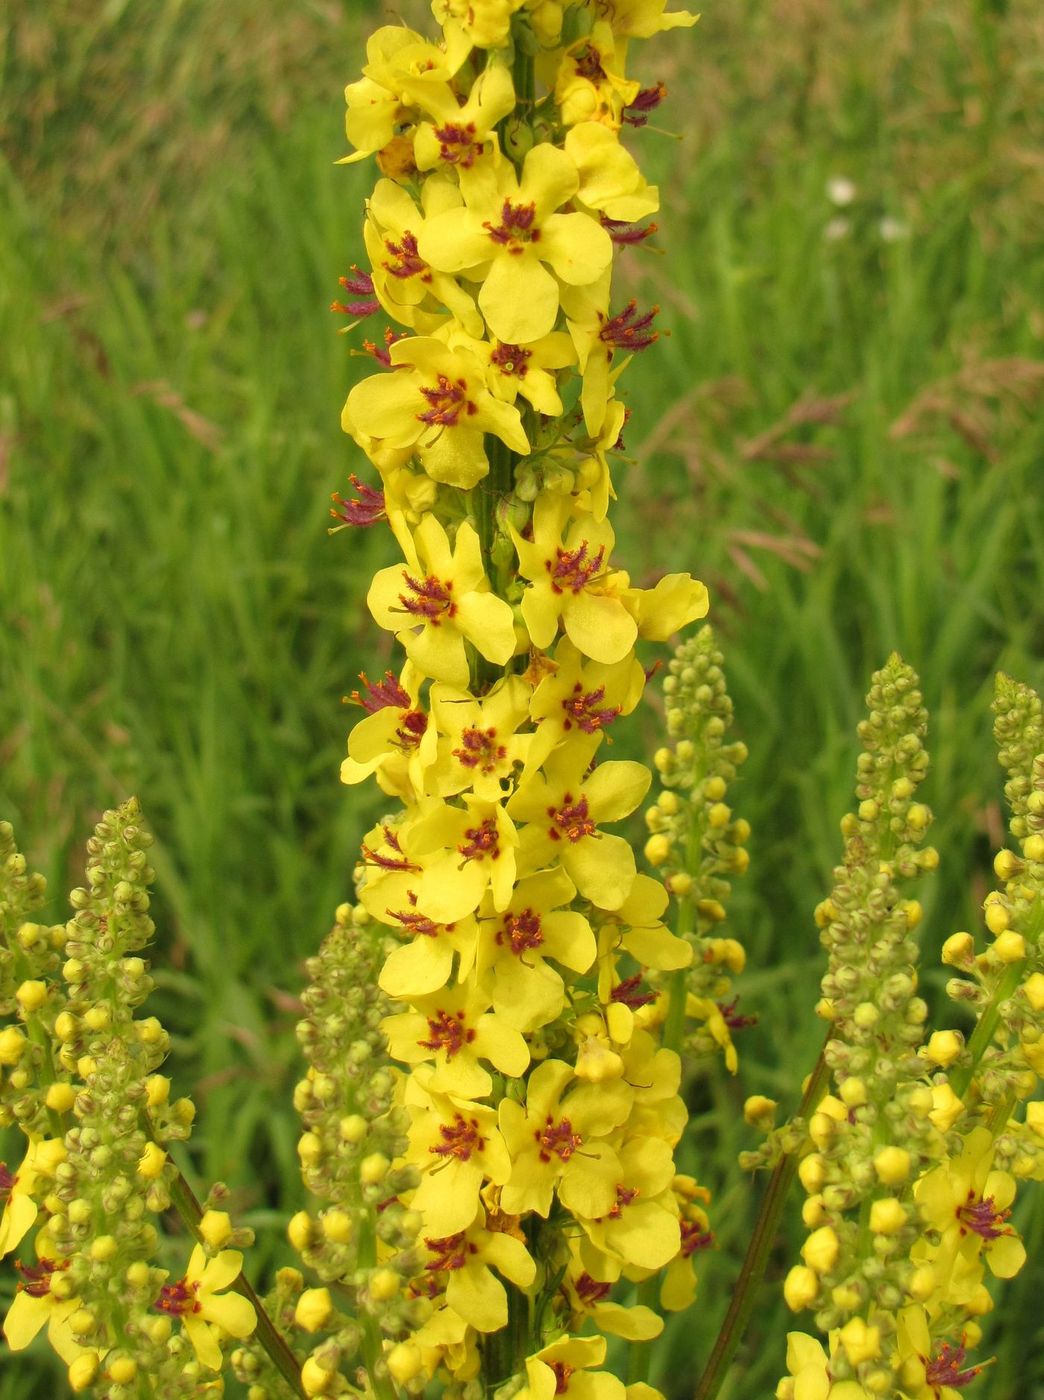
pixel 842 436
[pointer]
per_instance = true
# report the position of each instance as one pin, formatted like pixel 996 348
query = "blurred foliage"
pixel 842 436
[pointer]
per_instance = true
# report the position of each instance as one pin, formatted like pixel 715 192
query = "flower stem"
pixel 267 1334
pixel 744 1295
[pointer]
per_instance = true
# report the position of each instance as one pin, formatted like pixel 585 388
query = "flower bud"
pixel 216 1227
pixel 821 1249
pixel 892 1165
pixel 800 1288
pixel 405 1362
pixel 314 1309
pixel 887 1216
pixel 84 1371
pixel 31 996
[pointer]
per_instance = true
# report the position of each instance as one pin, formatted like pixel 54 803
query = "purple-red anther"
pixel 459 1139
pixel 405 261
pixel 395 862
pixel 179 1298
pixel 522 931
pixel 381 694
pixel 382 353
pixel 511 360
pixel 629 331
pixel 588 63
pixel 451 1252
pixel 414 922
pixel 445 402
pixel 364 510
pixel 432 599
pixel 360 286
pixel 948 1368
pixel 586 711
pixel 572 820
pixel 636 113
pixel 626 235
pixel 481 841
pixel 7 1181
pixel 457 144
pixel 563 1371
pixel 448 1032
pixel 735 1020
pixel 694 1237
pixel 590 1291
pixel 574 568
pixel 36 1278
pixel 515 227
pixel 979 1215
pixel 479 749
pixel 624 1196
pixel 629 993
pixel 557 1138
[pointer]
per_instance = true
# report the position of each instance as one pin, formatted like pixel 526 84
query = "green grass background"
pixel 842 436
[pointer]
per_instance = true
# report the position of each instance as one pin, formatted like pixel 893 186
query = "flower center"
pixel 448 1032
pixel 586 711
pixel 179 1298
pixel 590 1291
pixel 562 1371
pixel 457 144
pixel 574 568
pixel 446 400
pixel 629 992
pixel 979 1215
pixel 479 749
pixel 388 862
pixel 412 729
pixel 515 228
pixel 522 931
pixel 557 1138
pixel 511 360
pixel 482 841
pixel 945 1369
pixel 624 1196
pixel 432 598
pixel 572 820
pixel 694 1237
pixel 405 261
pixel 417 923
pixel 459 1139
pixel 449 1253
pixel 588 63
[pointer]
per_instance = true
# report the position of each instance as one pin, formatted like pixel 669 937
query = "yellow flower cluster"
pixel 697 843
pixel 928 1152
pixel 79 1079
pixel 543 1115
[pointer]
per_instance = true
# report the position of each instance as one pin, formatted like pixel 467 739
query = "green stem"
pixel 982 1035
pixel 267 1334
pixel 762 1239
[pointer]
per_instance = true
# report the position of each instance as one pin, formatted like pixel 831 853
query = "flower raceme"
pixel 520 933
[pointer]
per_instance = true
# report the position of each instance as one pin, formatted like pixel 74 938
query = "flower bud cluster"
pixel 696 842
pixel 103 1178
pixel 878 1130
pixel 361 1242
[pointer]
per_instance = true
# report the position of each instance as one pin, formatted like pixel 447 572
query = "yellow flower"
pixel 425 963
pixel 581 697
pixel 511 237
pixel 466 1259
pixel 460 133
pixel 563 1369
pixel 611 181
pixel 570 580
pixel 415 294
pixel 486 24
pixel 590 83
pixel 563 805
pixel 433 401
pixel 557 1143
pixel 198 1301
pixel 398 63
pixel 478 746
pixel 514 946
pixel 641 19
pixel 464 851
pixel 35 1306
pixel 968 1204
pixel 395 742
pixel 456 1030
pixel 440 599
pixel 641 1228
pixel 17 1189
pixel 456 1145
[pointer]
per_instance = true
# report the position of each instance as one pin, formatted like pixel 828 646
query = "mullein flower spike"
pixel 526 1154
pixel 911 1163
